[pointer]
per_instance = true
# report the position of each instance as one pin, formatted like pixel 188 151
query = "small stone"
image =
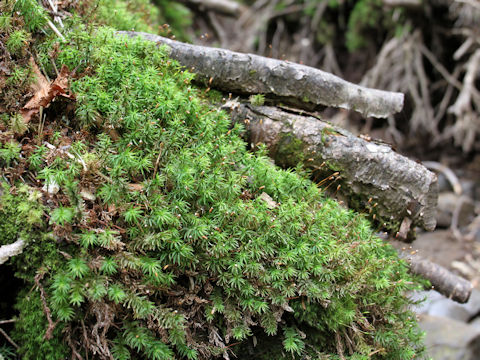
pixel 87 195
pixel 449 309
pixel 437 305
pixel 271 204
pixel 448 339
pixel 51 187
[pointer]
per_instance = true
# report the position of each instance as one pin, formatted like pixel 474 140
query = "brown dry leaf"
pixel 45 92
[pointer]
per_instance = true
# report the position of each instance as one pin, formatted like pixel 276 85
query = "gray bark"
pixel 9 250
pixel 442 280
pixel 398 191
pixel 247 73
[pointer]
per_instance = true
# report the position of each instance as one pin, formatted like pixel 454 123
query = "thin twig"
pixel 449 174
pixel 468 90
pixel 463 49
pixel 217 27
pixel 455 216
pixel 339 345
pixel 46 309
pixel 8 338
pixel 55 30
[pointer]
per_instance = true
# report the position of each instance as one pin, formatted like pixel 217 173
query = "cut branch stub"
pixel 442 279
pixel 372 175
pixel 248 74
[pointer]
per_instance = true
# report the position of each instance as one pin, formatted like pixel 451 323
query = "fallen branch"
pixel 248 73
pixel 442 280
pixel 9 250
pixel 395 189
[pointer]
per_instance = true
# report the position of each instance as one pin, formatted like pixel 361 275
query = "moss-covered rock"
pixel 163 244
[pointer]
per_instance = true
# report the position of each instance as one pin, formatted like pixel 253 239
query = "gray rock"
pixel 473 304
pixel 428 299
pixel 448 339
pixel 449 309
pixel 475 323
pixel 437 305
pixel 439 246
pixel 447 202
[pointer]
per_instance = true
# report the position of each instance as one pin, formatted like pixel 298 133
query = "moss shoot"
pixel 157 239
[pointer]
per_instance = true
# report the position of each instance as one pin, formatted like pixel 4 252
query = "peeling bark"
pixel 248 73
pixel 395 189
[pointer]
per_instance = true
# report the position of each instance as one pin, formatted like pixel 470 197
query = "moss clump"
pixel 20 212
pixel 289 151
pixel 30 329
pixel 165 17
pixel 165 244
pixel 257 100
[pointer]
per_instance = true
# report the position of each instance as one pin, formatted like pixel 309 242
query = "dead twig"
pixel 339 344
pixel 46 309
pixel 9 339
pixel 455 216
pixel 217 27
pixel 468 121
pixel 447 172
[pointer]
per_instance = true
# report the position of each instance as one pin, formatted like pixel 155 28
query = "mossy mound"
pixel 165 238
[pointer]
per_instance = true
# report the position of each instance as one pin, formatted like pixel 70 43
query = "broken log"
pixel 442 279
pixel 251 74
pixel 396 190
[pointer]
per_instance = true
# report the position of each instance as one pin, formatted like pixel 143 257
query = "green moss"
pixel 366 17
pixel 257 100
pixel 5 22
pixel 289 151
pixel 213 96
pixel 137 15
pixel 165 246
pixel 30 329
pixel 9 152
pixel 144 15
pixel 34 15
pixel 17 41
